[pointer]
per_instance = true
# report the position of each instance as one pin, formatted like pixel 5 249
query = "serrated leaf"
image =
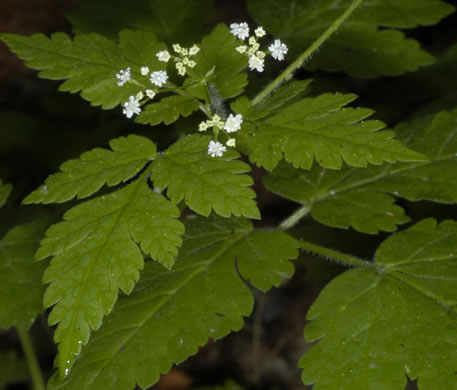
pixel 360 47
pixel 218 65
pixel 96 252
pixel 174 312
pixel 168 110
pixel 378 324
pixel 203 182
pixel 21 290
pixel 14 369
pixel 90 62
pixel 172 21
pixel 84 176
pixel 323 128
pixel 5 190
pixel 362 198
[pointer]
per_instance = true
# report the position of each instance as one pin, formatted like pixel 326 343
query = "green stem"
pixel 293 219
pixel 37 377
pixel 336 256
pixel 287 73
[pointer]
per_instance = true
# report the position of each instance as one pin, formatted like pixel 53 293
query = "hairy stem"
pixel 287 73
pixel 293 219
pixel 37 377
pixel 336 256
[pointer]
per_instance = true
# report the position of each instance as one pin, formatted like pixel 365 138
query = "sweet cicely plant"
pixel 159 243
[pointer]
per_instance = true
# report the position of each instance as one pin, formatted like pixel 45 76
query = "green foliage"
pixel 172 313
pixel 5 190
pixel 97 251
pixel 168 110
pixel 362 198
pixel 219 65
pixel 90 62
pixel 93 169
pixel 323 128
pixel 172 21
pixel 203 182
pixel 360 47
pixel 378 324
pixel 21 290
pixel 13 369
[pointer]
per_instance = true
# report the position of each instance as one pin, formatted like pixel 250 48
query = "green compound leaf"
pixel 21 290
pixel 378 324
pixel 5 191
pixel 203 182
pixel 359 47
pixel 168 110
pixel 172 20
pixel 321 127
pixel 173 313
pixel 89 63
pixel 94 168
pixel 14 369
pixel 362 198
pixel 96 252
pixel 219 65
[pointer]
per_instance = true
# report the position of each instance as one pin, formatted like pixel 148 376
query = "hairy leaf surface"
pixel 21 290
pixel 376 325
pixel 168 110
pixel 14 369
pixel 203 182
pixel 90 62
pixel 362 198
pixel 172 20
pixel 359 47
pixel 174 312
pixel 323 128
pixel 96 252
pixel 219 65
pixel 84 176
pixel 5 190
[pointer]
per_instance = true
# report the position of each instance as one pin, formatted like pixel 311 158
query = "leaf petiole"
pixel 37 377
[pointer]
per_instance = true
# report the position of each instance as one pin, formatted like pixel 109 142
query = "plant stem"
pixel 336 256
pixel 287 73
pixel 292 219
pixel 37 377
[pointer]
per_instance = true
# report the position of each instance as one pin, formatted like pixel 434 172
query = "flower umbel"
pixel 216 149
pixel 131 107
pixel 233 123
pixel 158 77
pixel 278 49
pixel 123 76
pixel 163 56
pixel 256 63
pixel 240 30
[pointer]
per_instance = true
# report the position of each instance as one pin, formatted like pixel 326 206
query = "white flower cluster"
pixel 185 57
pixel 256 56
pixel 123 76
pixel 231 125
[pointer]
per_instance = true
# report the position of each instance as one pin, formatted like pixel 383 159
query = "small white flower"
pixel 259 32
pixel 194 50
pixel 256 63
pixel 241 49
pixel 260 54
pixel 203 126
pixel 252 41
pixel 177 48
pixel 231 142
pixel 216 149
pixel 278 49
pixel 163 56
pixel 139 95
pixel 131 107
pixel 150 93
pixel 182 71
pixel 233 123
pixel 191 64
pixel 159 77
pixel 240 30
pixel 216 121
pixel 123 76
pixel 144 70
